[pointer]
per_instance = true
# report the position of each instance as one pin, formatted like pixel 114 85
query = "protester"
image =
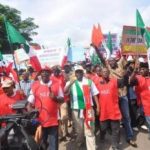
pixel 26 83
pixel 97 70
pixel 110 114
pixel 9 97
pixel 117 71
pixel 143 84
pixel 89 73
pixel 82 90
pixel 131 93
pixel 45 95
pixel 63 109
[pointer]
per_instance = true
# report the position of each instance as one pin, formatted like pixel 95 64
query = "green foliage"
pixel 25 27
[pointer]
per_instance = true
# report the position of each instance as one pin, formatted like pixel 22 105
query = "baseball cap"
pixel 78 67
pixel 130 58
pixel 7 83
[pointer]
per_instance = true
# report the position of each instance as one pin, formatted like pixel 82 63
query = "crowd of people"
pixel 80 100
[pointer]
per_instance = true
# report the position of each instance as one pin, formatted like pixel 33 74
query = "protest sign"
pixel 148 57
pixel 133 41
pixel 20 56
pixel 51 56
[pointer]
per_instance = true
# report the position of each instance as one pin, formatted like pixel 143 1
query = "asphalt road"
pixel 141 138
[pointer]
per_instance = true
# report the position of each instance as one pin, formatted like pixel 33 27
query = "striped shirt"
pixel 75 100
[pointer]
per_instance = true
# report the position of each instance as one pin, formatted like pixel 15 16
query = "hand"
pixel 38 134
pixel 51 95
pixel 72 80
pixel 60 99
pixel 22 92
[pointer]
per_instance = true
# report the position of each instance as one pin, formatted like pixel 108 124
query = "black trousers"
pixel 114 125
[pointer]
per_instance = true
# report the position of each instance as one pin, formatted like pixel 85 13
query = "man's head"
pixel 112 62
pixel 57 71
pixel 144 69
pixel 79 72
pixel 30 69
pixel 25 76
pixel 67 68
pixel 88 68
pixel 8 86
pixel 105 73
pixel 45 75
pixel 98 70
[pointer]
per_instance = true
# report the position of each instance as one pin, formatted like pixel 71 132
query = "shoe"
pixel 144 127
pixel 62 139
pixel 136 129
pixel 132 143
pixel 68 137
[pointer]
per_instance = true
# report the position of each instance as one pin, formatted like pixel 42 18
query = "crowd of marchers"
pixel 80 100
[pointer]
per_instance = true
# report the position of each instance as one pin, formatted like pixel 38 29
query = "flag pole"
pixel 11 49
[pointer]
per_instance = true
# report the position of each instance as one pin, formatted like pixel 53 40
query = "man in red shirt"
pixel 110 114
pixel 142 83
pixel 45 95
pixel 9 97
pixel 63 125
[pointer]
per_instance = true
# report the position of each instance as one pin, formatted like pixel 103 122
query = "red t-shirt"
pixel 94 78
pixel 6 102
pixel 48 107
pixel 61 81
pixel 108 101
pixel 144 93
pixel 1 91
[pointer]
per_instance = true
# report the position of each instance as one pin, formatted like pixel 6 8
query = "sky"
pixel 60 19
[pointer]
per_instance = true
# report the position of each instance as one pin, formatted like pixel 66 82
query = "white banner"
pixel 148 57
pixel 20 55
pixel 51 56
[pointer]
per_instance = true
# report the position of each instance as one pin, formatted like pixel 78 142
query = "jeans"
pixel 148 122
pixel 133 112
pixel 114 125
pixel 50 137
pixel 124 107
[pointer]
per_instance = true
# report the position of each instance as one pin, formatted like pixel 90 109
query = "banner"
pixel 50 57
pixel 20 56
pixel 133 42
pixel 148 57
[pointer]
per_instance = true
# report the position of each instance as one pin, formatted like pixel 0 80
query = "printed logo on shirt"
pixel 105 92
pixel 44 94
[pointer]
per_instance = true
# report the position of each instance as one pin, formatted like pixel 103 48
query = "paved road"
pixel 141 137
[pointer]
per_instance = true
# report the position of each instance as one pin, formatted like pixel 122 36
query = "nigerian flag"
pixel 139 22
pixel 147 38
pixel 14 36
pixel 109 43
pixel 1 56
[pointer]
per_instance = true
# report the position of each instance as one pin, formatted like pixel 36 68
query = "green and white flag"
pixel 77 95
pixel 1 56
pixel 140 23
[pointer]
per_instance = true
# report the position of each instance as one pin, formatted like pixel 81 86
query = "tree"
pixel 25 27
